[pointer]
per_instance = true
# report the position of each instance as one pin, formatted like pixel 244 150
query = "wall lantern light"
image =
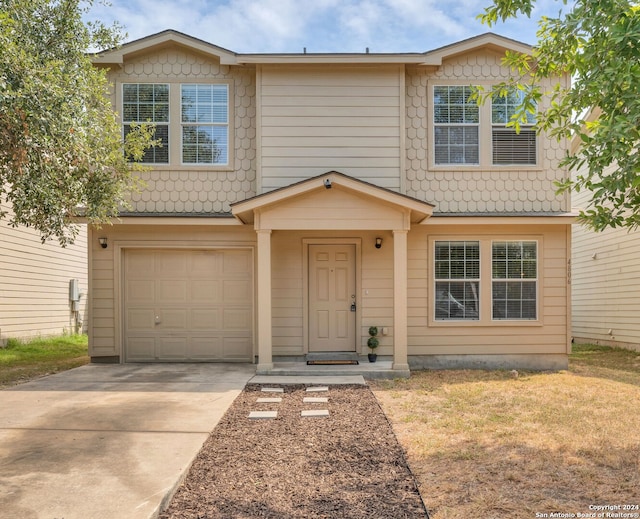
pixel 103 242
pixel 327 183
pixel 378 243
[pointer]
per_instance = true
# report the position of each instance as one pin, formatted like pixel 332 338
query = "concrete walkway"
pixel 107 441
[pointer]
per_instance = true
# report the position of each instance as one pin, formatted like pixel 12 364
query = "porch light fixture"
pixel 378 243
pixel 103 242
pixel 327 183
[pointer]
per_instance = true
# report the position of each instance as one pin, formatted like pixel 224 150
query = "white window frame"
pixel 205 124
pixel 502 108
pixel 461 126
pixel 485 287
pixel 127 122
pixel 485 130
pixel 512 279
pixel 448 298
pixel 175 127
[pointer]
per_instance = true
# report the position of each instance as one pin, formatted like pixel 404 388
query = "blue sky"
pixel 275 26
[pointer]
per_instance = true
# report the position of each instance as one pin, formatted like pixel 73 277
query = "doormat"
pixel 334 362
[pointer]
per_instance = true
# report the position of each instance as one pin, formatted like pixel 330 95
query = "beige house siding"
pixel 374 299
pixel 606 282
pixel 339 211
pixel 34 284
pixel 287 294
pixel 351 114
pixel 105 311
pixel 174 188
pixel 343 118
pixel 363 123
pixel 376 296
pixel 549 334
pixel 474 189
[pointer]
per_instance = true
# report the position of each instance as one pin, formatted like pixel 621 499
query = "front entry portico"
pixel 333 205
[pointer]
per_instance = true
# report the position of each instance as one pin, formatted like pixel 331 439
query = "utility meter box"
pixel 74 290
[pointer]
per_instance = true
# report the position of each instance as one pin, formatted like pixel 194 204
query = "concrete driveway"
pixel 107 441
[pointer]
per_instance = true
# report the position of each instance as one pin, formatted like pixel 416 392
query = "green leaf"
pixel 597 44
pixel 60 143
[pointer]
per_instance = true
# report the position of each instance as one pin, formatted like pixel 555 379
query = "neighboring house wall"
pixel 34 284
pixel 605 279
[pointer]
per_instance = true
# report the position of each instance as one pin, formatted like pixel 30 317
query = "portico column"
pixel 265 352
pixel 400 360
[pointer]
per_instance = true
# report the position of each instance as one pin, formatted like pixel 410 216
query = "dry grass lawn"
pixel 490 444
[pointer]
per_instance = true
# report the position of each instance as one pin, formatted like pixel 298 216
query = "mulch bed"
pixel 347 465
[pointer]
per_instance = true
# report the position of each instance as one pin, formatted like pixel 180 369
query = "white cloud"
pixel 426 14
pixel 319 25
pixel 252 26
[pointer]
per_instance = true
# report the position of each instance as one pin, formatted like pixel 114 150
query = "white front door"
pixel 332 298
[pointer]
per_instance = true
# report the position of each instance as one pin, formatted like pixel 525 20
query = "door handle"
pixel 353 306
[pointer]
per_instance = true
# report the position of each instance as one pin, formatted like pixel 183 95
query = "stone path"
pixel 307 413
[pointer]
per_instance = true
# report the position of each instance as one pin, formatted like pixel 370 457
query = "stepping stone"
pixel 315 400
pixel 317 389
pixel 272 389
pixel 262 415
pixel 276 400
pixel 315 413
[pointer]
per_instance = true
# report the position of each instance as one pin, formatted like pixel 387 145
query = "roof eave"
pixel 488 40
pixel 432 58
pixel 350 59
pixel 245 209
pixel 118 55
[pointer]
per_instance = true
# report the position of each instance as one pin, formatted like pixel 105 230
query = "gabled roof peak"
pixel 161 39
pixel 227 57
pixel 417 210
pixel 488 40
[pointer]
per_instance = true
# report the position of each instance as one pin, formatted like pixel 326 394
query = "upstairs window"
pixel 510 147
pixel 205 124
pixel 148 103
pixel 456 126
pixel 457 283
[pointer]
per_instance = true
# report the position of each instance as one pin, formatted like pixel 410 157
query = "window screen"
pixel 148 103
pixel 515 279
pixel 510 147
pixel 456 121
pixel 205 124
pixel 457 280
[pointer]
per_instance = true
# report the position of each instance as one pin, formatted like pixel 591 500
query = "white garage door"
pixel 188 305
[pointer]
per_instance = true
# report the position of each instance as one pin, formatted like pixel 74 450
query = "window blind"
pixel 510 147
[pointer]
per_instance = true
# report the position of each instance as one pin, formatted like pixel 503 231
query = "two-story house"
pixel 299 199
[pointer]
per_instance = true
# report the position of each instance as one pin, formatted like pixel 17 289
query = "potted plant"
pixel 373 343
